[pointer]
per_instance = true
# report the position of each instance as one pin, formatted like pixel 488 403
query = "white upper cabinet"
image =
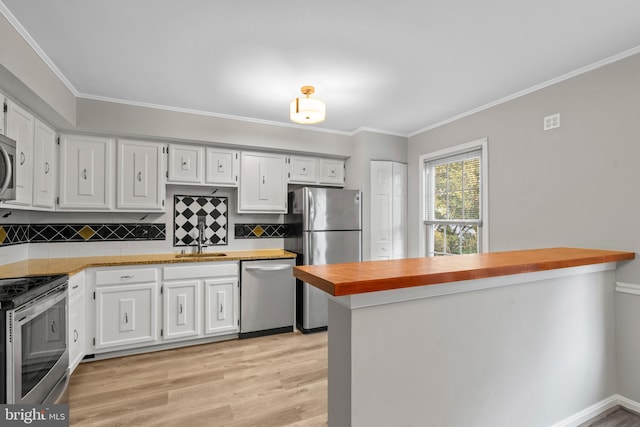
pixel 140 179
pixel 263 183
pixel 20 125
pixel 302 170
pixel 44 166
pixel 86 172
pixel 332 172
pixel 222 167
pixel 186 164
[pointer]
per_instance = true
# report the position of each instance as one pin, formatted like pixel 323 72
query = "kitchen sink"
pixel 202 255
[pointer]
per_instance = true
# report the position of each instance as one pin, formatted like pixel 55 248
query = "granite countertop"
pixel 52 266
pixel 372 276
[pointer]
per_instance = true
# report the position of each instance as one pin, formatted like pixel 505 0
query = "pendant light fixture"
pixel 307 110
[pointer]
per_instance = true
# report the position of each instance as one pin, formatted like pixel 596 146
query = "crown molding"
pixel 36 47
pixel 571 74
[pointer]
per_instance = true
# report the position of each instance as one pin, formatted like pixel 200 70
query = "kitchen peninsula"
pixel 497 339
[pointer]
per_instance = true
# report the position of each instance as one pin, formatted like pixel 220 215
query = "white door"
pixel 76 330
pixel 399 210
pixel 20 124
pixel 263 183
pixel 126 315
pixel 86 172
pixel 381 210
pixel 140 183
pixel 181 309
pixel 302 170
pixel 186 164
pixel 44 166
pixel 221 306
pixel 222 167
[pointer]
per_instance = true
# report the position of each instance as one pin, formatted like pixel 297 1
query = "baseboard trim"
pixel 597 409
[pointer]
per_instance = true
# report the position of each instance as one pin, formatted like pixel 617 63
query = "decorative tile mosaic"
pixel 260 231
pixel 12 234
pixel 187 209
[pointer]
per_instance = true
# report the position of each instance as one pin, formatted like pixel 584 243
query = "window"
pixel 454 201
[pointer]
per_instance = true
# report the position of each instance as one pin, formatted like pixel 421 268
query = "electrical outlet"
pixel 141 231
pixel 551 122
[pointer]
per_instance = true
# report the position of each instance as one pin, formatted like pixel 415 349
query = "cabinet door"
pixel 302 170
pixel 76 330
pixel 381 210
pixel 181 309
pixel 20 125
pixel 186 164
pixel 140 182
pixel 126 315
pixel 222 167
pixel 44 166
pixel 221 306
pixel 86 172
pixel 263 184
pixel 332 172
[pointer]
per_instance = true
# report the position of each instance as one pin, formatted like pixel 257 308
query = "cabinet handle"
pixel 263 180
pixel 75 286
pixel 221 307
pixel 140 176
pixel 84 174
pixel 126 318
pixel 126 277
pixel 304 169
pixel 75 335
pixel 53 326
pixel 184 163
pixel 22 158
pixel 46 168
pixel 180 309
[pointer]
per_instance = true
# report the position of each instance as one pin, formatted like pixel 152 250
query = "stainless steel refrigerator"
pixel 325 227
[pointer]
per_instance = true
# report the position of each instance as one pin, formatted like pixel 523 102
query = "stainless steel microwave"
pixel 7 168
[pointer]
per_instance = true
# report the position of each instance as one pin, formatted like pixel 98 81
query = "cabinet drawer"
pixel 114 277
pixel 197 270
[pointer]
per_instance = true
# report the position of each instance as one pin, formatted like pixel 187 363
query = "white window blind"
pixel 453 211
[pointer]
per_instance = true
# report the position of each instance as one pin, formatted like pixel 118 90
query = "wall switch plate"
pixel 551 122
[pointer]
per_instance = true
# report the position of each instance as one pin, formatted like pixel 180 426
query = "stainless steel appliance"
pixel 7 168
pixel 266 297
pixel 325 228
pixel 34 355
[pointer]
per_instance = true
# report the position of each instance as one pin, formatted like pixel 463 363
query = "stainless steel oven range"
pixel 35 355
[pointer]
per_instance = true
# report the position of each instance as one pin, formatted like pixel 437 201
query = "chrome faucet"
pixel 201 237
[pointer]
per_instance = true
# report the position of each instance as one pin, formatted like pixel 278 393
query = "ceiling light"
pixel 307 111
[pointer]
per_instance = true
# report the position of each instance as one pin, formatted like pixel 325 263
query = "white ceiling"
pixel 396 66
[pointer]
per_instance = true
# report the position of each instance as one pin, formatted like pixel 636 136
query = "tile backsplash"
pixel 13 234
pixel 260 231
pixel 187 209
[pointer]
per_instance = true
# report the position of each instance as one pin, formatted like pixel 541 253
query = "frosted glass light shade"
pixel 307 111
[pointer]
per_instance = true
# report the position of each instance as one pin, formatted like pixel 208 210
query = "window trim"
pixel 480 144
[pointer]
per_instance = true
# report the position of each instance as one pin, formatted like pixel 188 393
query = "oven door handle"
pixel 8 172
pixel 40 305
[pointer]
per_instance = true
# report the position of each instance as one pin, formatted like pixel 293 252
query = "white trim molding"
pixel 597 409
pixel 627 288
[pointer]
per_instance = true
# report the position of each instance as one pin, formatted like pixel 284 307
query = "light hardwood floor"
pixel 278 380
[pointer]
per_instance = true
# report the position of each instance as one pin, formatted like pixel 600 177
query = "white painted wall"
pixel 528 354
pixel 572 186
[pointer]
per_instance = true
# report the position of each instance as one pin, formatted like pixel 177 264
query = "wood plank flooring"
pixel 615 417
pixel 279 380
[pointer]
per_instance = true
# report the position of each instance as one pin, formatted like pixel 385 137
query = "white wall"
pixel 572 186
pixel 367 146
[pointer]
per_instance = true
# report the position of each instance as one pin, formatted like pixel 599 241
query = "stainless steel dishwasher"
pixel 267 297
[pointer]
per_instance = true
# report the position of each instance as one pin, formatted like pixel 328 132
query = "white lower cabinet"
pixel 221 305
pixel 76 329
pixel 181 309
pixel 141 306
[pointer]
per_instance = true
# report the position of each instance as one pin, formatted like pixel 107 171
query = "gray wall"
pixel 572 186
pixel 367 146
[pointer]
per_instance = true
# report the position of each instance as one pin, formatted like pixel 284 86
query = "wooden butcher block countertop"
pixel 361 277
pixel 52 266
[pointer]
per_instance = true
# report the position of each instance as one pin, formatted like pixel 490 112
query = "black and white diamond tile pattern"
pixel 186 212
pixel 260 231
pixel 49 233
